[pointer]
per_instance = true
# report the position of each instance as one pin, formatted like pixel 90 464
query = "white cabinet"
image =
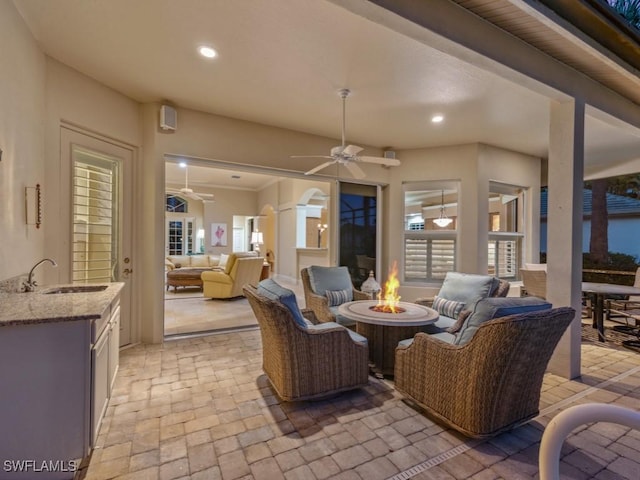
pixel 104 366
pixel 56 378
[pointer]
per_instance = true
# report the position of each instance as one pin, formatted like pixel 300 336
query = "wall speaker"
pixel 168 118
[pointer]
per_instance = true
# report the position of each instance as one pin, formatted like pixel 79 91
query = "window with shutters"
pixel 429 243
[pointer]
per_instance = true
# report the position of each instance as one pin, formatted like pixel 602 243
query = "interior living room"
pixel 444 119
pixel 237 202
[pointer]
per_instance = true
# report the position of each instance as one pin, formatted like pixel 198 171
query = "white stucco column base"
pixel 564 232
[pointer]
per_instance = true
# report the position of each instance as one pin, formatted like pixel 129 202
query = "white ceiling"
pixel 282 62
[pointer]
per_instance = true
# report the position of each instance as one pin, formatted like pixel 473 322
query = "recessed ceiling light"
pixel 183 164
pixel 207 52
pixel 437 118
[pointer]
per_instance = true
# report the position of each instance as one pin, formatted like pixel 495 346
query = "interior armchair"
pixel 241 268
pixel 490 384
pixel 326 288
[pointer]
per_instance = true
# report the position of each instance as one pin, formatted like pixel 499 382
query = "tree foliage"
pixel 629 9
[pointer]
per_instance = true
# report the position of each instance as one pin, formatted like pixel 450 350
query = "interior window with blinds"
pixel 94 217
pixel 430 223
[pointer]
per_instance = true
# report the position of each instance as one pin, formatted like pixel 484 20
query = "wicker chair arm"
pixel 359 295
pixel 426 301
pixel 318 352
pixel 320 305
pixel 310 315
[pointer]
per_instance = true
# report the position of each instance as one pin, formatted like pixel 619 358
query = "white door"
pixel 100 182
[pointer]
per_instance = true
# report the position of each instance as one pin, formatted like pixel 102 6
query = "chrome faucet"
pixel 30 284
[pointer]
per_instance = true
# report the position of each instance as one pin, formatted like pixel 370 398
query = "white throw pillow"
pixel 223 260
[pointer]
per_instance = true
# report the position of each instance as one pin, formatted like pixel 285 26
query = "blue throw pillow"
pixel 273 291
pixel 496 307
pixel 338 297
pixel 329 278
pixel 467 288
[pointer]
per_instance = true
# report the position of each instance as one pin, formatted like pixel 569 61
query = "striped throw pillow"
pixel 448 308
pixel 338 297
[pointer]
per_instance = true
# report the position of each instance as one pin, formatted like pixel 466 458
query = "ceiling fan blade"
pixel 355 170
pixel 352 150
pixel 320 167
pixel 389 162
pixel 205 195
pixel 310 156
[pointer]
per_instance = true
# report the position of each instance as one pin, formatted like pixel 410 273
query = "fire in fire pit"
pixel 389 299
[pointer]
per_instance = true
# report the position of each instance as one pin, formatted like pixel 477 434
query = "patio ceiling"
pixel 281 63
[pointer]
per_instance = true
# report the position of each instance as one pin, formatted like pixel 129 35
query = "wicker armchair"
pixel 318 302
pixel 304 364
pixel 490 384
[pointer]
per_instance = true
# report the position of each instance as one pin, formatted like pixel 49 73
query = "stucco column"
pixel 301 226
pixel 564 232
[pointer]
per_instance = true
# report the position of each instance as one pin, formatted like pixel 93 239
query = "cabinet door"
pixel 100 382
pixel 114 346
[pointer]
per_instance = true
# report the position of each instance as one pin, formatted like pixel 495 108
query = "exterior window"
pixel 429 248
pixel 176 204
pixel 506 233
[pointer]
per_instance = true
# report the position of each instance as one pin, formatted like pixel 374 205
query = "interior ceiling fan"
pixel 347 155
pixel 188 192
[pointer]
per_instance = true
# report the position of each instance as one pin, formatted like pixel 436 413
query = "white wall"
pixel 22 110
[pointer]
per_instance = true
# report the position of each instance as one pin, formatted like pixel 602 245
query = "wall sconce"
pixel 257 239
pixel 321 228
pixel 442 221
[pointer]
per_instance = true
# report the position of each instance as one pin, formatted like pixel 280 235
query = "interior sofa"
pixel 241 268
pixel 172 262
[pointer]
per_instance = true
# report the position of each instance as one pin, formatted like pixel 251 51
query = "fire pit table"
pixel 384 330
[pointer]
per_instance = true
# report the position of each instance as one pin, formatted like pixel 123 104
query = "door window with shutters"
pixel 95 216
pixel 430 230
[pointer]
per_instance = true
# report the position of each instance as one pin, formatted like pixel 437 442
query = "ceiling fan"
pixel 188 192
pixel 347 155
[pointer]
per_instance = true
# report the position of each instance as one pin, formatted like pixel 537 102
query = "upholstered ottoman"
pixel 185 277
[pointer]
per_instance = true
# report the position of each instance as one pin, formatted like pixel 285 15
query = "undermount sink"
pixel 76 289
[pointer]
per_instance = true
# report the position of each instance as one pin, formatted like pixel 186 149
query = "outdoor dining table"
pixel 600 291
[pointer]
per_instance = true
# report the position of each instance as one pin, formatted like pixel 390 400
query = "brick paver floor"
pixel 202 408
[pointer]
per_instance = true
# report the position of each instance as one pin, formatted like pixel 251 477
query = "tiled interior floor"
pixel 187 311
pixel 202 408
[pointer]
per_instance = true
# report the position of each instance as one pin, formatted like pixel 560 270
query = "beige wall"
pixel 473 166
pixel 22 110
pixel 77 100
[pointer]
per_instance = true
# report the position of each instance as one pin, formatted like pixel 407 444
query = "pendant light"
pixel 442 221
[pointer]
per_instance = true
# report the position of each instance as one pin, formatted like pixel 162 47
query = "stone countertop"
pixel 38 307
